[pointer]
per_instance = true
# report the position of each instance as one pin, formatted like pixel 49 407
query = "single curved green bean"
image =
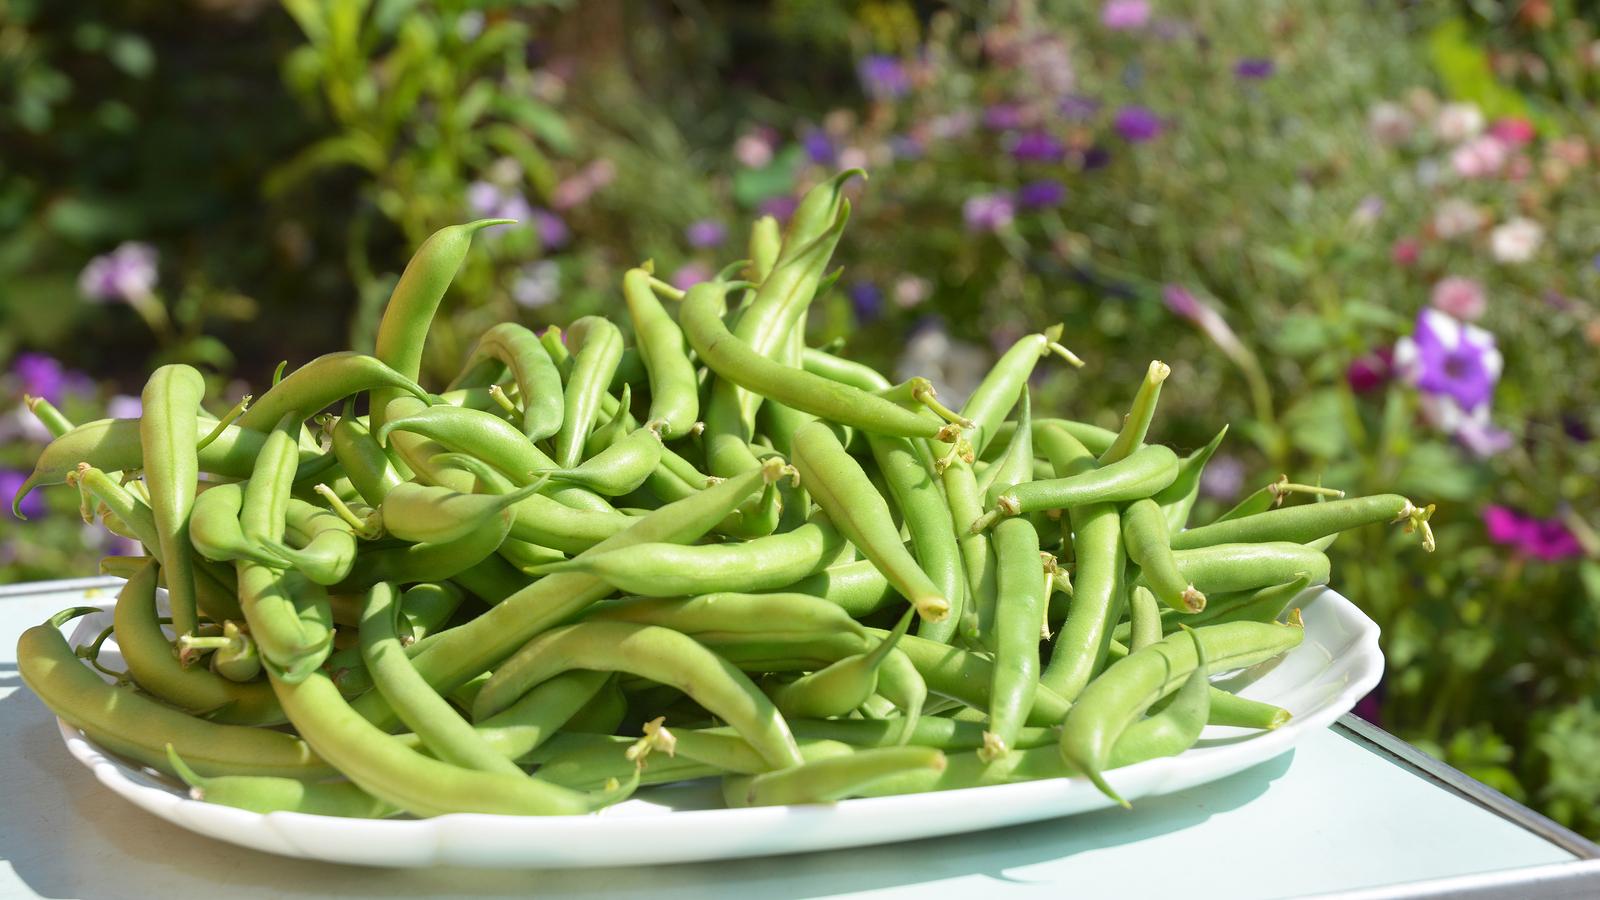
pixel 652 652
pixel 674 389
pixel 1015 466
pixel 1144 612
pixel 1144 534
pixel 1080 646
pixel 828 780
pixel 841 487
pixel 841 687
pixel 215 532
pixel 411 563
pixel 509 346
pixel 618 469
pixel 423 513
pixel 167 437
pixel 597 346
pixel 150 659
pixel 363 459
pixel 998 392
pixel 1015 679
pixel 858 588
pixel 1137 423
pixel 139 728
pixel 322 545
pixel 47 414
pixel 290 618
pixel 323 382
pixel 1178 498
pixel 1142 474
pixel 264 507
pixel 268 794
pixel 969 678
pixel 1309 522
pixel 929 522
pixel 1243 567
pixel 403 330
pixel 676 570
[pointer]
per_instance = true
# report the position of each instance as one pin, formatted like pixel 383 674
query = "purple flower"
pixel 1254 69
pixel 705 234
pixel 1041 194
pixel 1076 107
pixel 1096 157
pixel 10 481
pixel 1038 146
pixel 1482 439
pixel 819 148
pixel 883 77
pixel 689 275
pixel 1137 124
pixel 124 274
pixel 551 228
pixel 1548 540
pixel 1222 478
pixel 780 207
pixel 1451 360
pixel 867 301
pixel 988 212
pixel 1182 302
pixel 1125 15
pixel 44 376
pixel 1004 117
pixel 124 406
pixel 488 200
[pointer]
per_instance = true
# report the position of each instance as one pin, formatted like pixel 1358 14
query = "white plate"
pixel 1336 665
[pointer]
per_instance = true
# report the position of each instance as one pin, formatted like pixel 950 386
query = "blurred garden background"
pixel 1364 233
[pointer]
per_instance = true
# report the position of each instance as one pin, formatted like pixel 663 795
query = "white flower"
pixel 911 290
pixel 1516 241
pixel 537 284
pixel 1456 218
pixel 1391 123
pixel 1458 122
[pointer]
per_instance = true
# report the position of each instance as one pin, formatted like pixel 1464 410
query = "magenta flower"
pixel 1547 540
pixel 1370 372
pixel 1038 146
pixel 1481 157
pixel 689 275
pixel 1513 131
pixel 1125 15
pixel 1463 298
pixel 11 480
pixel 125 274
pixel 1254 69
pixel 1405 251
pixel 988 212
pixel 705 234
pixel 883 77
pixel 1137 124
pixel 1004 117
pixel 1041 194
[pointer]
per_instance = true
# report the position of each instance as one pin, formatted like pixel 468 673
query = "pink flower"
pixel 1513 131
pixel 1405 251
pixel 1463 298
pixel 1481 157
pixel 1370 372
pixel 1547 540
pixel 1125 15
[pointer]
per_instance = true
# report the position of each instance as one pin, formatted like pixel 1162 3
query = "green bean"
pixel 842 686
pixel 215 533
pixel 127 722
pixel 268 794
pixel 1109 711
pixel 948 735
pixel 738 363
pixel 1260 605
pixel 449 737
pixel 858 588
pixel 1146 615
pixel 1243 567
pixel 264 508
pixel 1016 466
pixel 1272 495
pixel 604 712
pixel 1079 647
pixel 1000 389
pixel 672 570
pixel 364 461
pixel 1144 534
pixel 148 654
pixel 619 468
pixel 828 780
pixel 236 658
pixel 508 345
pixel 674 390
pixel 403 331
pixel 323 546
pixel 428 561
pixel 167 436
pixel 1016 658
pixel 652 652
pixel 1309 522
pixel 422 513
pixel 840 486
pixel 321 383
pixel 969 678
pixel 1137 423
pixel 597 350
pixel 1142 474
pixel 47 414
pixel 928 520
pixel 1178 498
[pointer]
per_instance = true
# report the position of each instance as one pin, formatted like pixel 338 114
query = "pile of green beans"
pixel 678 545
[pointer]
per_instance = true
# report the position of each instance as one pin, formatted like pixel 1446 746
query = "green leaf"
pixel 1438 471
pixel 540 120
pixel 351 148
pixel 132 54
pixel 1315 424
pixel 1301 335
pixel 1283 259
